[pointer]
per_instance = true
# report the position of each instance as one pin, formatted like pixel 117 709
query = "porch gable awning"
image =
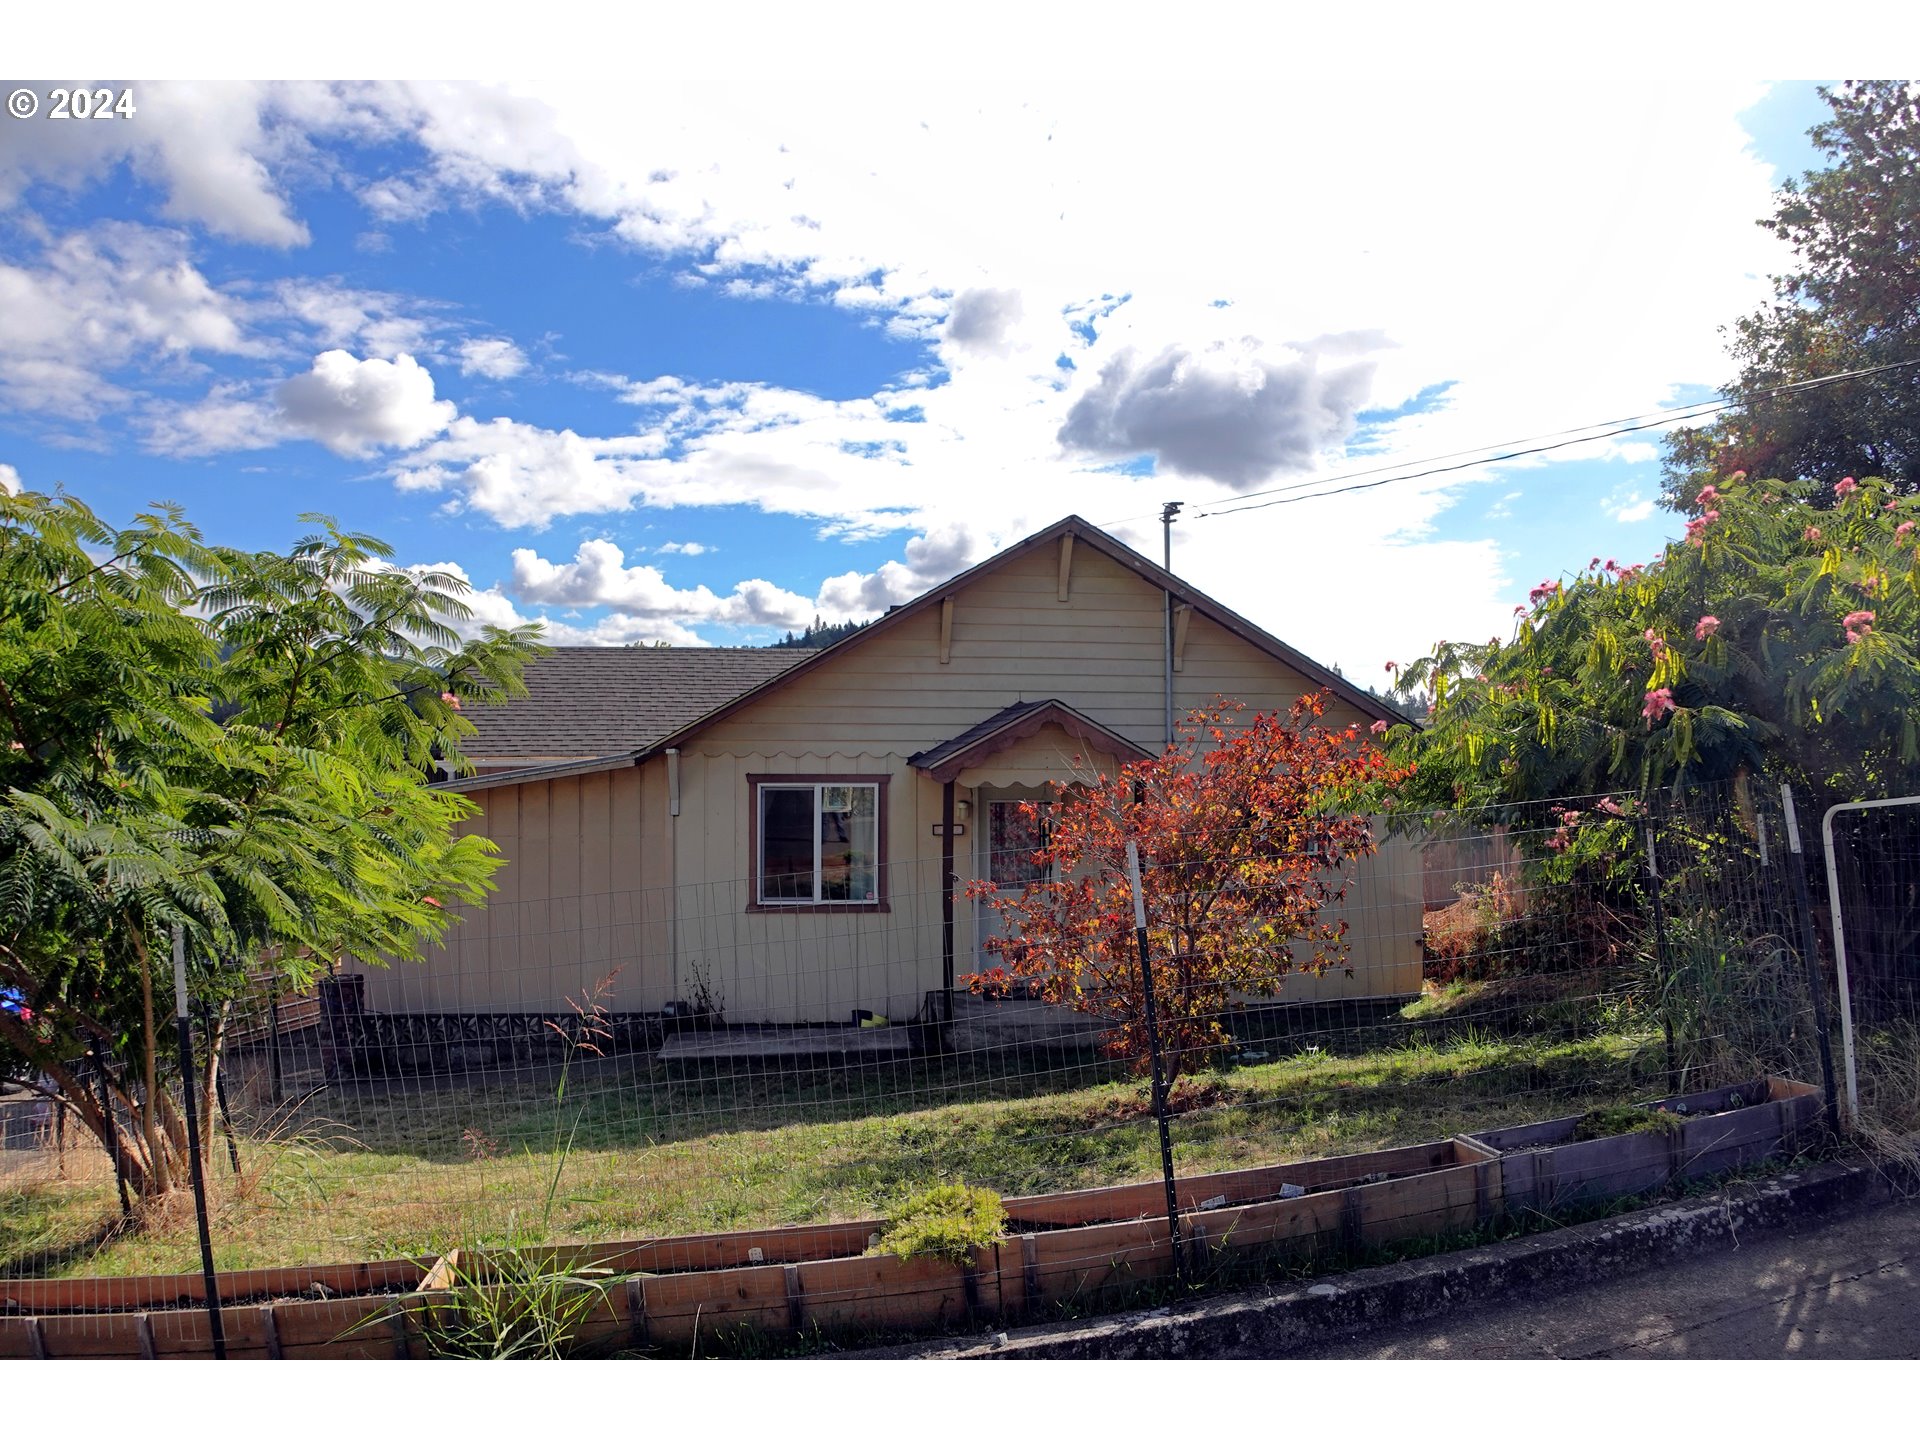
pixel 998 732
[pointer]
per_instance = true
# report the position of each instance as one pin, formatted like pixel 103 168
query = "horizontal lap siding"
pixel 599 880
pixel 1012 641
pixel 889 697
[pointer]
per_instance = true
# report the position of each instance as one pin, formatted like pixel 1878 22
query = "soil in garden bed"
pixel 1603 1117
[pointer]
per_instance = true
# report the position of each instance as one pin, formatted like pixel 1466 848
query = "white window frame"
pixel 761 785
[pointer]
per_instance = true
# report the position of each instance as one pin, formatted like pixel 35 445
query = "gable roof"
pixel 1083 532
pixel 596 700
pixel 946 760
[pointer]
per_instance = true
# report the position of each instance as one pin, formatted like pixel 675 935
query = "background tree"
pixel 236 743
pixel 819 635
pixel 1772 635
pixel 1851 302
pixel 1244 832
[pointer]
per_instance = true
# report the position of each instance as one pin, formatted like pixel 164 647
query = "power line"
pixel 1625 426
pixel 1668 416
pixel 1345 489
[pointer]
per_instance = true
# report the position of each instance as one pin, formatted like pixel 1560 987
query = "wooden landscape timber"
pixel 305 1311
pixel 1543 1168
pixel 676 1294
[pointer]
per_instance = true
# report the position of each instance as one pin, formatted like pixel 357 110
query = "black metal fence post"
pixel 1816 987
pixel 1651 830
pixel 1153 1049
pixel 184 1025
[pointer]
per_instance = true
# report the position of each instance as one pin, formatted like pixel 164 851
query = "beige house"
pixel 789 835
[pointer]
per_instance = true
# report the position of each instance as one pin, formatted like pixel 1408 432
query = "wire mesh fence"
pixel 646 1115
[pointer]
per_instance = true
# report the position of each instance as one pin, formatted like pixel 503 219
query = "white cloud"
pixel 226 420
pixel 100 302
pixel 1232 415
pixel 523 475
pixel 923 201
pixel 1502 509
pixel 985 320
pixel 355 407
pixel 1634 509
pixel 683 547
pixel 492 359
pixel 598 575
pixel 9 480
pixel 210 147
pixel 327 315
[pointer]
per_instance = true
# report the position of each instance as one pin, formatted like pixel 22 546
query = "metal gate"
pixel 1874 871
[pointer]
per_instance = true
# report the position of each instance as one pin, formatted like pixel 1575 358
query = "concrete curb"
pixel 1274 1323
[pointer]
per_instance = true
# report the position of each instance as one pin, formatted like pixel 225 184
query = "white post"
pixel 1139 892
pixel 179 973
pixel 1840 941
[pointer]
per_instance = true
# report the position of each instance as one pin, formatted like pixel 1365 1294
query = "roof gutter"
pixel 465 783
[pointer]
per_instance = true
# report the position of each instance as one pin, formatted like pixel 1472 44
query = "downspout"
pixel 1167 513
pixel 673 864
pixel 946 886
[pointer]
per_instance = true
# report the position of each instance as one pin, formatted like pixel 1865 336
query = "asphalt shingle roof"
pixel 588 701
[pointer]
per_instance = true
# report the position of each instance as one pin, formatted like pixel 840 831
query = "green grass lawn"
pixel 429 1167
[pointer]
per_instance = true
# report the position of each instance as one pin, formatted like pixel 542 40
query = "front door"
pixel 1004 854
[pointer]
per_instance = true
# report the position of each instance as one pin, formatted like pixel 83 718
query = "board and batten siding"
pixel 584 894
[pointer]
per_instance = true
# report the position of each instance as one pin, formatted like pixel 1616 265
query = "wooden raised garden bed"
pixel 664 1293
pixel 307 1311
pixel 670 1294
pixel 1545 1167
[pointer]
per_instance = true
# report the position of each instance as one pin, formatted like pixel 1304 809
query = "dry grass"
pixel 1887 1060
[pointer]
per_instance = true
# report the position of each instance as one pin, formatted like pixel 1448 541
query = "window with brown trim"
pixel 818 842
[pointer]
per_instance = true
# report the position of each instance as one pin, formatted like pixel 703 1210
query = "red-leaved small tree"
pixel 1246 834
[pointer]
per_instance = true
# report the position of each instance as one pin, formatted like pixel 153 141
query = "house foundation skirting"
pixel 375 1043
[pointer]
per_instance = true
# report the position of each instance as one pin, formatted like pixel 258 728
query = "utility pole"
pixel 1168 512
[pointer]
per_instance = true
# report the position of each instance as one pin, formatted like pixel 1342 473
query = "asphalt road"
pixel 1846 1289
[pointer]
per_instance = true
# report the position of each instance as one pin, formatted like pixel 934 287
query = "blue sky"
pixel 700 367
